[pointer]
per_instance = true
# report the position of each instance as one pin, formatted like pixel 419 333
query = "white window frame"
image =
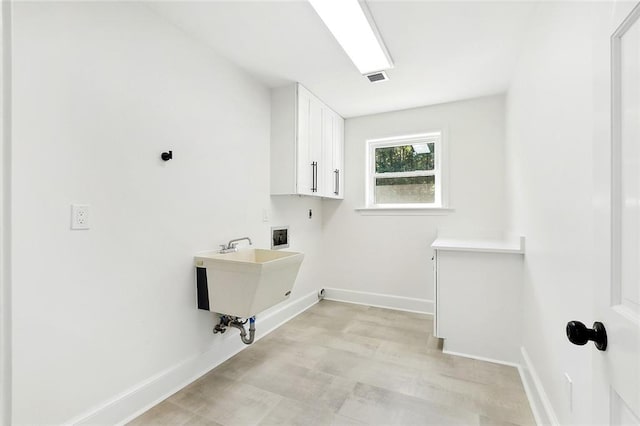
pixel 435 137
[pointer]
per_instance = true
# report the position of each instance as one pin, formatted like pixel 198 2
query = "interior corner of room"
pixel 433 224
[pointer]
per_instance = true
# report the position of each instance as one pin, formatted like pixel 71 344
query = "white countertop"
pixel 511 245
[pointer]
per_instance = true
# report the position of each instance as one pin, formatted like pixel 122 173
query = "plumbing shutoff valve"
pixel 227 321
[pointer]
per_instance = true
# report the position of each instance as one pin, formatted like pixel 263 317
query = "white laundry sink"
pixel 245 282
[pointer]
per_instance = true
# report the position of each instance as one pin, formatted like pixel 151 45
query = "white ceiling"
pixel 443 50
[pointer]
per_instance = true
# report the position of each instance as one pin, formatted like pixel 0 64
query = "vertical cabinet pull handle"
pixel 314 176
pixel 337 185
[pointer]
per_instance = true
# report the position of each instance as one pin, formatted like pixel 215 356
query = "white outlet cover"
pixel 79 216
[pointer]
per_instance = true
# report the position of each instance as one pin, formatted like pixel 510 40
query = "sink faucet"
pixel 232 245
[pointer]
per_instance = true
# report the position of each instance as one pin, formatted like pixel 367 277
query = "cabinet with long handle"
pixel 333 148
pixel 307 143
pixel 338 157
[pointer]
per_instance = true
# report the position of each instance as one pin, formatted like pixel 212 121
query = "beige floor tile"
pixel 486 421
pixel 370 371
pixel 394 332
pixel 361 345
pixel 324 337
pixel 489 403
pixel 488 371
pixel 337 309
pixel 378 406
pixel 280 349
pixel 343 364
pixel 296 413
pixel 302 384
pixel 339 420
pixel 418 323
pixel 196 395
pixel 165 413
pixel 239 404
pixel 326 322
pixel 200 421
pixel 303 333
pixel 421 358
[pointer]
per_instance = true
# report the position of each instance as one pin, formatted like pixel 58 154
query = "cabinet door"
pixel 333 149
pixel 309 140
pixel 319 147
pixel 328 146
pixel 436 297
pixel 338 156
pixel 315 161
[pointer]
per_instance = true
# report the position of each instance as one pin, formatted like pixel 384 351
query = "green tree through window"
pixel 405 171
pixel 404 158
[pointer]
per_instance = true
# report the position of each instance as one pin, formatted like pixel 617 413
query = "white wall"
pixel 5 214
pixel 550 173
pixel 391 254
pixel 305 235
pixel 101 89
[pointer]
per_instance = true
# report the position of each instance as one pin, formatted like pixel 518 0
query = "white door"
pixel 616 378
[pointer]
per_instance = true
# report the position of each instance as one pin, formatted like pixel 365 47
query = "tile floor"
pixel 344 364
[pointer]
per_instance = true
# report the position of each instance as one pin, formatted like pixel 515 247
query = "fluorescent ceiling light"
pixel 349 25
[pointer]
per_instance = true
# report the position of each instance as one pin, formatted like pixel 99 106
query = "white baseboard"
pixel 538 400
pixel 409 304
pixel 482 358
pixel 135 401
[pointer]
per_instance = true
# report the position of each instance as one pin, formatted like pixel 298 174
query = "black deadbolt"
pixel 579 334
pixel 166 156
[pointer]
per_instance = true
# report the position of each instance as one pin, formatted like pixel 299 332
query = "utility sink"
pixel 245 282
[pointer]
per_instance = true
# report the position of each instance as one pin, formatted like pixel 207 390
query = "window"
pixel 405 172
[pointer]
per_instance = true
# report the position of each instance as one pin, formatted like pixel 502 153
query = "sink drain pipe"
pixel 235 322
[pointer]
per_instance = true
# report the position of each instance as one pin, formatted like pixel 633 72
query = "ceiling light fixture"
pixel 351 24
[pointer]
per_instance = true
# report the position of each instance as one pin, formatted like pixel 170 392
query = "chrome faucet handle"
pixel 223 246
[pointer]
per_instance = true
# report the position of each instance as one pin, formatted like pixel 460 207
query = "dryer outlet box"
pixel 279 237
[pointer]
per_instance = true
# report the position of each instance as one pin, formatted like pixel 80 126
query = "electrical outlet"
pixel 79 216
pixel 569 389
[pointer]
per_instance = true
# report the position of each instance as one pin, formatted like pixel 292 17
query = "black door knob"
pixel 579 334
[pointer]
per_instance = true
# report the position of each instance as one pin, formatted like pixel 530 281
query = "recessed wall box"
pixel 279 237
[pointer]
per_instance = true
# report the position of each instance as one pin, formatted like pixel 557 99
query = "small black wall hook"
pixel 166 156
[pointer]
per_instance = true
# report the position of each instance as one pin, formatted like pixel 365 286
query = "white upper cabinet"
pixel 333 154
pixel 307 145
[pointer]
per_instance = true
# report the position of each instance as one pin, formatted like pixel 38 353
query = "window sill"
pixel 404 211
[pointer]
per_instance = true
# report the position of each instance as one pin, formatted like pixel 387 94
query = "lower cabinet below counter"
pixel 478 287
